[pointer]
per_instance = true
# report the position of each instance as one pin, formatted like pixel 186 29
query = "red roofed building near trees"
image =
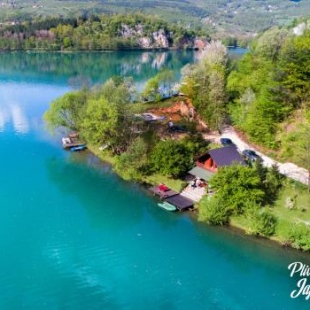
pixel 225 156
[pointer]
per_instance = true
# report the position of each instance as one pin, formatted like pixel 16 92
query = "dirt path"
pixel 288 169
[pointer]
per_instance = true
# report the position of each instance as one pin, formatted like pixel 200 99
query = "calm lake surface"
pixel 75 236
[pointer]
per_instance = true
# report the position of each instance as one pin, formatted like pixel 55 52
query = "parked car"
pixel 251 155
pixel 226 142
pixel 178 128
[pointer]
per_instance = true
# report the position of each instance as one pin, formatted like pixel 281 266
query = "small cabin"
pixel 224 156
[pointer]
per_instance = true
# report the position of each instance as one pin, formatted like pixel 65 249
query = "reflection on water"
pixel 4 117
pixel 19 119
pixel 89 67
pixel 106 200
pixel 13 114
pixel 159 61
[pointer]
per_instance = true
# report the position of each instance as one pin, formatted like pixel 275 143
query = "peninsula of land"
pixel 158 135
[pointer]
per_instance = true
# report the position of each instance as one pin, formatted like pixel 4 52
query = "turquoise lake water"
pixel 75 236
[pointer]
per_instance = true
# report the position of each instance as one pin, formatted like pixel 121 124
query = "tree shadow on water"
pixel 108 201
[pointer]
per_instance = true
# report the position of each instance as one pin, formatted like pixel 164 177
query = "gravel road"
pixel 288 169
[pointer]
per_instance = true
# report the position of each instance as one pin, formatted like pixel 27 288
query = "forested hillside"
pixel 97 33
pixel 224 17
pixel 266 94
pixel 270 93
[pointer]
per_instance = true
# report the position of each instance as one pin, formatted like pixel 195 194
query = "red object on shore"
pixel 163 187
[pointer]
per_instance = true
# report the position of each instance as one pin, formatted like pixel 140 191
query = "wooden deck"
pixel 163 194
pixel 180 202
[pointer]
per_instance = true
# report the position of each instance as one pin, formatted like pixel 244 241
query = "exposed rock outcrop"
pixel 159 39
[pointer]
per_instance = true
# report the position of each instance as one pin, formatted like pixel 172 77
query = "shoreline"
pixel 152 49
pixel 233 226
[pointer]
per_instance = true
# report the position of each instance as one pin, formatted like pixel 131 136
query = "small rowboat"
pixel 167 206
pixel 78 148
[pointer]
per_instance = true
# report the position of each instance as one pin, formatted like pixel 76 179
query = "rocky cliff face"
pixel 158 39
pixel 301 28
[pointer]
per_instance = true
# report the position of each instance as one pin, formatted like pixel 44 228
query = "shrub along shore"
pixel 276 222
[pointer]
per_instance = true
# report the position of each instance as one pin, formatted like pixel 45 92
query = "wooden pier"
pixel 163 194
pixel 71 141
pixel 181 202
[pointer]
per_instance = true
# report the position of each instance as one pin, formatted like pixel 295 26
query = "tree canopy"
pixel 205 83
pixel 67 111
pixel 96 32
pixel 269 84
pixel 171 158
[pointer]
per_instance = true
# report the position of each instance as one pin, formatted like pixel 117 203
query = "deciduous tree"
pixel 131 164
pixel 171 158
pixel 67 111
pixel 237 185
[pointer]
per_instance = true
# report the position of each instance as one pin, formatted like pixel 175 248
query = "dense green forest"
pixel 266 94
pixel 269 93
pixel 225 18
pixel 96 33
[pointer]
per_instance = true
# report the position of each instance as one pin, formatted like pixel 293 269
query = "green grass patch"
pixel 283 229
pixel 293 204
pixel 174 184
pixel 141 107
pixel 105 155
pixel 238 221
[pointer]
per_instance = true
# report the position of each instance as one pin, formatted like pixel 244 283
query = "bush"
pixel 260 221
pixel 130 165
pixel 171 158
pixel 212 211
pixel 196 144
pixel 299 236
pixel 274 182
pixel 236 185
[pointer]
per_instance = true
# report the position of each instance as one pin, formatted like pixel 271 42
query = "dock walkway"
pixel 181 202
pixel 175 198
pixel 161 193
pixel 68 142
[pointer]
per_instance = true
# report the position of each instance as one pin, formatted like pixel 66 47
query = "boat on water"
pixel 78 148
pixel 167 206
pixel 72 143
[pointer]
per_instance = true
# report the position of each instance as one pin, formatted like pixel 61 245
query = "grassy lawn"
pixel 103 155
pixel 174 184
pixel 292 206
